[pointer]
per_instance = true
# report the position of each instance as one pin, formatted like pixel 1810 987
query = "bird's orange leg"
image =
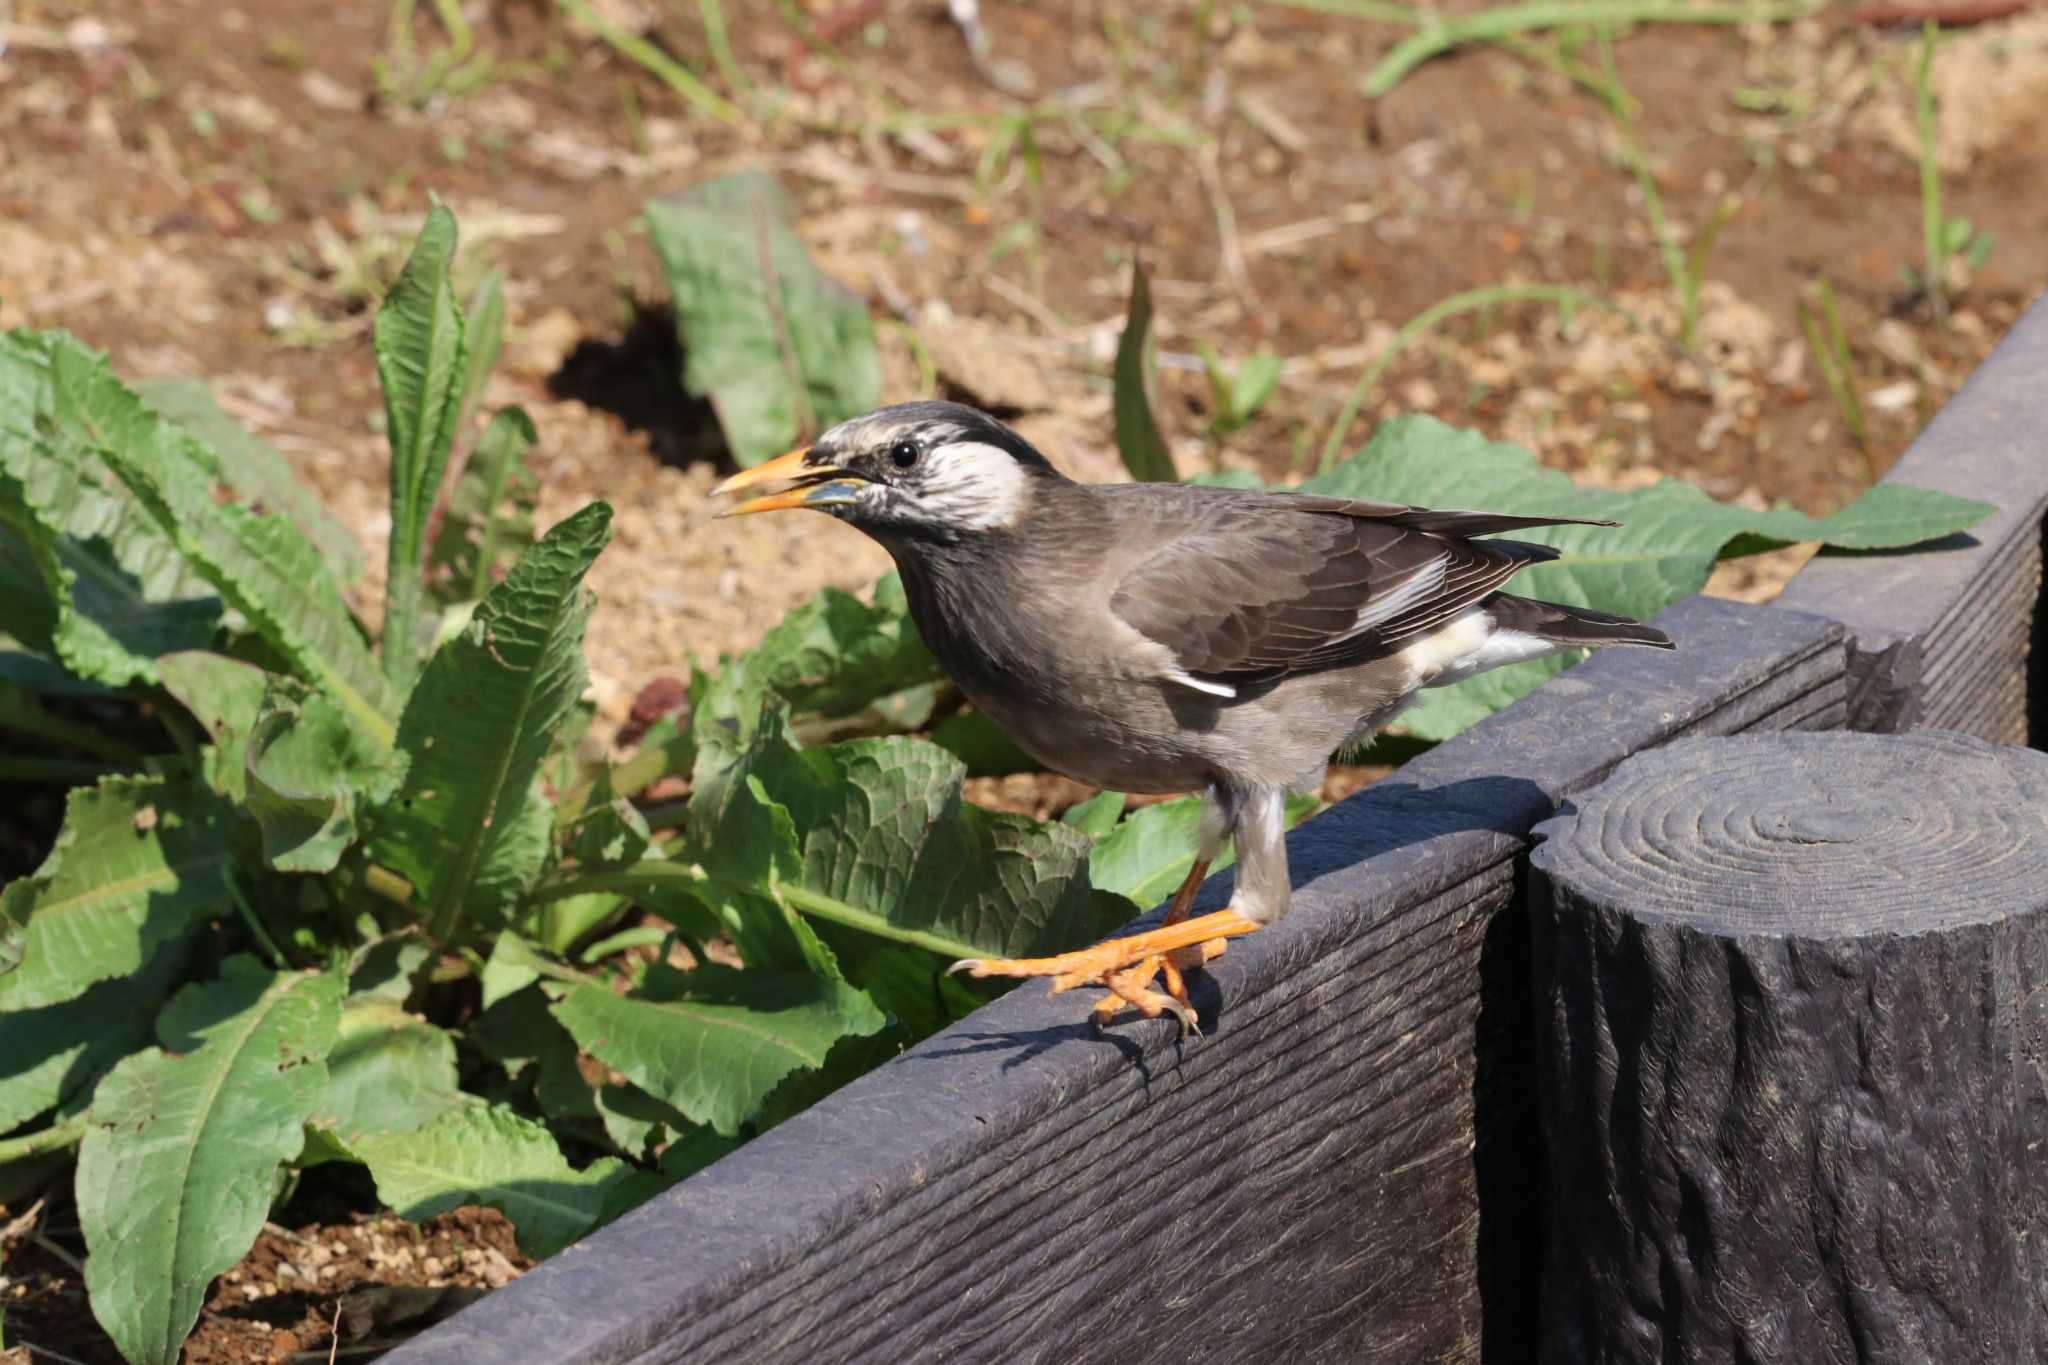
pixel 1125 966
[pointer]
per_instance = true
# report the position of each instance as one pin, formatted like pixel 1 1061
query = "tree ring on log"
pixel 1793 833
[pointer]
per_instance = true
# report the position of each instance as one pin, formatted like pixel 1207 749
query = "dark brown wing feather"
pixel 1257 586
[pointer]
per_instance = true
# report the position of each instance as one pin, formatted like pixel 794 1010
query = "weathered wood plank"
pixel 1938 636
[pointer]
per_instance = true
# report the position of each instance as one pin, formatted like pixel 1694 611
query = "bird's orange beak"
pixel 817 485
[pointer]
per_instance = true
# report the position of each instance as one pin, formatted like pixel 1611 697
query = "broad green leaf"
pixel 610 829
pixel 480 1154
pixel 388 1072
pixel 1097 815
pixel 308 770
pixel 385 967
pixel 488 521
pixel 138 860
pixel 1145 856
pixel 174 1174
pixel 713 1042
pixel 419 341
pixel 885 844
pixel 86 572
pixel 1137 435
pixel 480 723
pixel 55 1055
pixel 254 469
pixel 226 696
pixel 1671 536
pixel 781 349
pixel 260 563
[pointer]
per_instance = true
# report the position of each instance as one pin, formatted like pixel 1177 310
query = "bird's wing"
pixel 1254 588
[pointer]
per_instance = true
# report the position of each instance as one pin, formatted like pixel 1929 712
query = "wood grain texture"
pixel 1943 636
pixel 1305 1184
pixel 1789 1054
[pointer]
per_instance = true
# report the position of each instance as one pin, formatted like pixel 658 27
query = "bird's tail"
pixel 1571 626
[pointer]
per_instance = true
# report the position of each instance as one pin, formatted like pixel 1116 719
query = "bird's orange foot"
pixel 1125 966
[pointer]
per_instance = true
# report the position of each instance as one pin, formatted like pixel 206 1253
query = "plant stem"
pixel 248 914
pixel 721 47
pixel 639 877
pixel 57 1139
pixel 1563 295
pixel 1934 281
pixel 658 63
pixel 1436 38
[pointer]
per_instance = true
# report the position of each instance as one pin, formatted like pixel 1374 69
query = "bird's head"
pixel 912 471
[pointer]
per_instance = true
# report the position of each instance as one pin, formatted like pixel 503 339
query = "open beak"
pixel 816 485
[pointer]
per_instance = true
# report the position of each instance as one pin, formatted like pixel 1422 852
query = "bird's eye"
pixel 903 454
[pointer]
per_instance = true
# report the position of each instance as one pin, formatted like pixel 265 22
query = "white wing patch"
pixel 1187 679
pixel 1422 585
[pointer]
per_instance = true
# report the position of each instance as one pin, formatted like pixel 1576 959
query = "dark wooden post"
pixel 1792 1004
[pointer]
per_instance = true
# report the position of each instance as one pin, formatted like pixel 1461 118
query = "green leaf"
pixel 885 844
pixel 388 1072
pixel 174 1174
pixel 480 1154
pixel 781 349
pixel 52 1057
pixel 488 521
pixel 713 1042
pixel 484 333
pixel 1671 536
pixel 1253 384
pixel 308 770
pixel 254 469
pixel 419 341
pixel 480 723
pixel 260 563
pixel 1145 856
pixel 86 573
pixel 1137 435
pixel 1097 815
pixel 137 861
pixel 226 696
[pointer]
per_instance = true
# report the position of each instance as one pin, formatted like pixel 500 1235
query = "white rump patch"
pixel 1469 644
pixel 968 483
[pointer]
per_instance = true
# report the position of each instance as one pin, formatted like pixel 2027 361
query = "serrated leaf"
pixel 1671 536
pixel 780 348
pixel 480 722
pixel 226 696
pixel 308 769
pixel 388 1072
pixel 418 336
pixel 488 520
pixel 87 573
pixel 713 1042
pixel 385 967
pixel 260 563
pixel 254 469
pixel 487 1155
pixel 1137 436
pixel 174 1173
pixel 887 845
pixel 137 861
pixel 1097 815
pixel 55 1055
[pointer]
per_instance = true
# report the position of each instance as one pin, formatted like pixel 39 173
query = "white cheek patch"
pixel 974 485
